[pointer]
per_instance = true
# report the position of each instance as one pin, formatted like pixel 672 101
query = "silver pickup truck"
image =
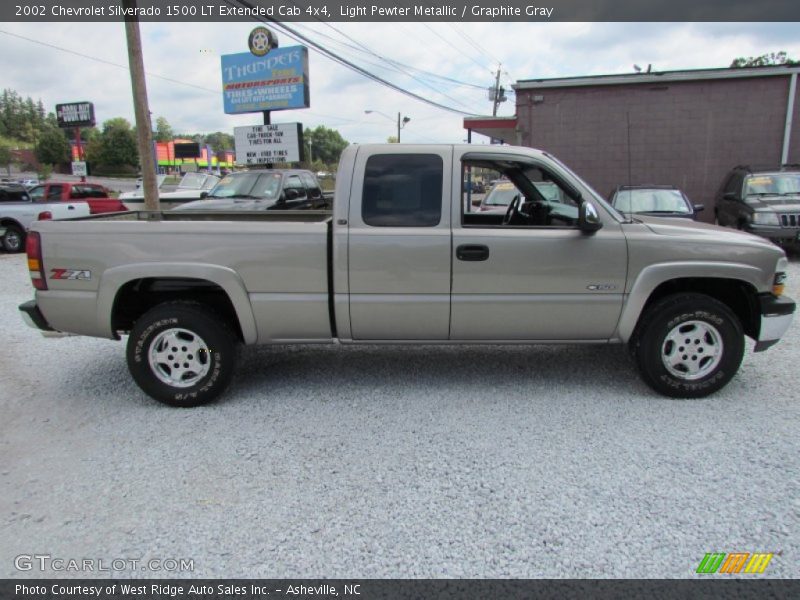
pixel 403 258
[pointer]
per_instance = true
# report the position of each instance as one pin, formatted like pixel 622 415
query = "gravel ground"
pixel 395 461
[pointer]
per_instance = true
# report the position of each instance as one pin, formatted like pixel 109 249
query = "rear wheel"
pixel 13 239
pixel 689 346
pixel 181 354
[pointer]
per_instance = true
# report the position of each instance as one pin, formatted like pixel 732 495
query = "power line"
pixel 149 74
pixel 296 35
pixel 107 62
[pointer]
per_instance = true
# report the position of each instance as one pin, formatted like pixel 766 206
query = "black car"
pixel 13 192
pixel 264 189
pixel 654 200
pixel 763 201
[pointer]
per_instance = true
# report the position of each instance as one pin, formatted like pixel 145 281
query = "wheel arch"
pixel 735 285
pixel 127 292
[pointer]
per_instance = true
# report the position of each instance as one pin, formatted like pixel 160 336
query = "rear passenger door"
pixel 399 245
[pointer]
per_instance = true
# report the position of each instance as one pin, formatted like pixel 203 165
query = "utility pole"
pixel 497 93
pixel 144 131
pixel 401 124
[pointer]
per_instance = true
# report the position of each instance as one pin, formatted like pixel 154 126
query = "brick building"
pixel 684 128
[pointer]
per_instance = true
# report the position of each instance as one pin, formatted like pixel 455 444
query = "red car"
pixel 96 196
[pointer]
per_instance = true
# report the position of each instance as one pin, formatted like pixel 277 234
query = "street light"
pixel 401 122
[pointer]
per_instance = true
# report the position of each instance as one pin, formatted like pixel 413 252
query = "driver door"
pixel 546 281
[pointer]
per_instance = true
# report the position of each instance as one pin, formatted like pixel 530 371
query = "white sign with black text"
pixel 79 168
pixel 266 144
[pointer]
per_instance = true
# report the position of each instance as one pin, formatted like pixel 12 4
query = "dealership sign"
pixel 266 144
pixel 75 114
pixel 276 81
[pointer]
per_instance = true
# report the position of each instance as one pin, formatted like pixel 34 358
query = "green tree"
pixel 219 141
pixel 115 148
pixel 52 147
pixel 769 59
pixel 164 131
pixel 326 144
pixel 6 158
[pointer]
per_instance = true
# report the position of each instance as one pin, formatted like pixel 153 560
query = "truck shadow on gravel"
pixel 333 372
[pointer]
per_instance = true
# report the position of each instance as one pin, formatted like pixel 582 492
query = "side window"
pixel 54 192
pixel 403 190
pixel 295 186
pixel 311 185
pixel 734 184
pixel 37 193
pixel 87 191
pixel 520 194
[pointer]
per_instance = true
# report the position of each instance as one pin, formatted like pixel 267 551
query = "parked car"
pixel 193 186
pixel 18 211
pixel 503 193
pixel 29 183
pixel 264 189
pixel 654 200
pixel 475 186
pixel 13 192
pixel 765 202
pixel 95 195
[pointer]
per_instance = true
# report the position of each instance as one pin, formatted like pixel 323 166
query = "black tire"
pixel 208 371
pixel 715 347
pixel 13 239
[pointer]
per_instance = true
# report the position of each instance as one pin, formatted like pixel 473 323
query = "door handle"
pixel 70 207
pixel 472 252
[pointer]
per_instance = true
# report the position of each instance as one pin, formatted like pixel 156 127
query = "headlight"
pixel 766 217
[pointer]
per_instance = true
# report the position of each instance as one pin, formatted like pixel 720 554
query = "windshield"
pixel 262 186
pixel 774 183
pixel 641 201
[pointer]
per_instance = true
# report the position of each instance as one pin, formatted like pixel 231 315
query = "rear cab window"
pixel 402 190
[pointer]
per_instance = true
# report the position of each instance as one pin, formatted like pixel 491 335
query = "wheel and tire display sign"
pixel 266 144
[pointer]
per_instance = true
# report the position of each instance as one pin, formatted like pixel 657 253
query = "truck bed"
pixel 299 216
pixel 277 263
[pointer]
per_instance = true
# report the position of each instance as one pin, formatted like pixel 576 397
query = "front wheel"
pixel 181 354
pixel 13 239
pixel 689 346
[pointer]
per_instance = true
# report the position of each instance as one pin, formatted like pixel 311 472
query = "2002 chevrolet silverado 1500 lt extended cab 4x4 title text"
pixel 403 258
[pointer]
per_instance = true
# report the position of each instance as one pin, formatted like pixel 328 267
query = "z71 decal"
pixel 71 274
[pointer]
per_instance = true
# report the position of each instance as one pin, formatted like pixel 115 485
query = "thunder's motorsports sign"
pixel 275 81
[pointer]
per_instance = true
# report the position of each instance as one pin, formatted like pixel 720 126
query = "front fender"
pixel 654 275
pixel 113 279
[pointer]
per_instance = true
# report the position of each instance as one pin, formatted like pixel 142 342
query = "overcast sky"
pixel 188 56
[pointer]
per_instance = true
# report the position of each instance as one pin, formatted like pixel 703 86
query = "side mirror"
pixel 731 196
pixel 291 194
pixel 699 208
pixel 588 219
pixel 203 195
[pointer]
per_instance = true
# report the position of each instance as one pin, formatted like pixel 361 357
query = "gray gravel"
pixel 395 461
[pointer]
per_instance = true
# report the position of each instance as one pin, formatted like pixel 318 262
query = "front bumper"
pixel 776 316
pixel 775 233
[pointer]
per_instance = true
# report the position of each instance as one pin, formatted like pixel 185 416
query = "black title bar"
pixel 401 10
pixel 390 589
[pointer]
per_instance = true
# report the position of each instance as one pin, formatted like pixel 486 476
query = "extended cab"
pixel 403 258
pixel 18 211
pixel 95 195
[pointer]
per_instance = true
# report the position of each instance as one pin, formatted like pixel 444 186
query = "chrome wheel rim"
pixel 692 350
pixel 13 240
pixel 179 357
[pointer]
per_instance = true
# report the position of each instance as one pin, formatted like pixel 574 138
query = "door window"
pixel 519 195
pixel 54 192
